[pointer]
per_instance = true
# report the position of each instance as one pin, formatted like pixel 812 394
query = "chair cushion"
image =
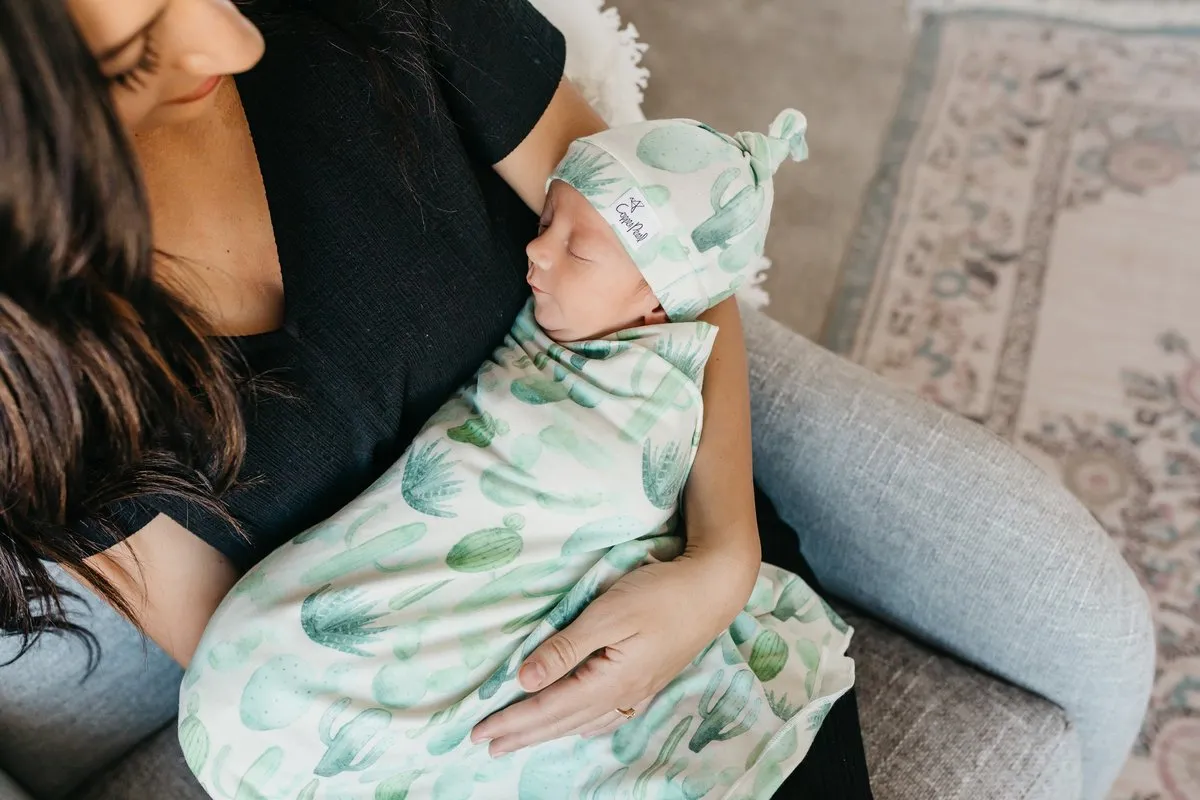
pixel 934 727
pixel 155 769
pixel 58 727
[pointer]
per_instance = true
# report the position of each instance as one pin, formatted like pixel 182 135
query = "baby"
pixel 354 661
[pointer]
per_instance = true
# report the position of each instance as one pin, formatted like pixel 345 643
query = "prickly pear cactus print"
pixel 354 661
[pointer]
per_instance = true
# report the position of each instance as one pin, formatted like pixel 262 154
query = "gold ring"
pixel 627 713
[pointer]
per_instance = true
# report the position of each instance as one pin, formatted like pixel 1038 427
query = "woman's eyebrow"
pixel 116 50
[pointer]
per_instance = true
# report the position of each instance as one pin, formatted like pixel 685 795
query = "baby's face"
pixel 584 283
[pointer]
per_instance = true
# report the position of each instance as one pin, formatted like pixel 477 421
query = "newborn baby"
pixel 354 661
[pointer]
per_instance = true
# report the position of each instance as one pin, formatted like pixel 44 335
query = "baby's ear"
pixel 656 317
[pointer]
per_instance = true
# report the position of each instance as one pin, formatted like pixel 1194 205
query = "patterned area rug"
pixel 1028 258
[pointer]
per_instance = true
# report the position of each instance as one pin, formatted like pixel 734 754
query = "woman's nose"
pixel 215 39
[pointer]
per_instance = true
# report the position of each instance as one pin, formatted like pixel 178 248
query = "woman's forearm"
pixel 718 500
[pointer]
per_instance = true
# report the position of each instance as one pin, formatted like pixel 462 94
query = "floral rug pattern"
pixel 1027 257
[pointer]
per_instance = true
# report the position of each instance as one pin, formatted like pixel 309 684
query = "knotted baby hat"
pixel 691 205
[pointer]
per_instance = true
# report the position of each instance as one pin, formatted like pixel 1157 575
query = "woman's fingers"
pixel 596 628
pixel 611 721
pixel 564 707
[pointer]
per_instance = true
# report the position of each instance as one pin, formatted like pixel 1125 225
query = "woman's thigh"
pixel 932 523
pixel 58 722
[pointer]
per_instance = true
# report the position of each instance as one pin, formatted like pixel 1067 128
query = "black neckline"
pixel 288 330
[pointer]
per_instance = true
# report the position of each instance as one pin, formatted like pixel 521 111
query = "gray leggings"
pixel 926 521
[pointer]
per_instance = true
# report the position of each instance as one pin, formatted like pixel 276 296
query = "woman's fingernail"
pixel 532 675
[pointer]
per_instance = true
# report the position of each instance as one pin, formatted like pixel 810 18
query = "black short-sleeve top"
pixel 402 251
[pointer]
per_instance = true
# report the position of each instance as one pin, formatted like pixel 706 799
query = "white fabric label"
pixel 633 218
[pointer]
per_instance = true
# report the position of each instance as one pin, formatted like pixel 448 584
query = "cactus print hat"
pixel 690 205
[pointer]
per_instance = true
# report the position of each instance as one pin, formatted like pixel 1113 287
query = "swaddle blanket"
pixel 353 661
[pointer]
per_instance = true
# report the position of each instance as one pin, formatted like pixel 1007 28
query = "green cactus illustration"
pixel 743 627
pixel 278 693
pixel 780 706
pixel 795 595
pixel 768 656
pixel 309 792
pixel 730 653
pixel 340 619
pixel 657 195
pixel 454 784
pixel 585 450
pixel 370 553
pixel 572 605
pixel 719 717
pixel 231 655
pixel 448 737
pixel 687 356
pixel 415 594
pixel 517 580
pixel 603 534
pixel 537 390
pixel 569 503
pixel 399 684
pixel 253 783
pixel 630 740
pixel 599 787
pixel 331 531
pixel 697 785
pixel 193 737
pixel 547 778
pixel 665 754
pixel 500 675
pixel 810 656
pixel 507 486
pixel 533 618
pixel 682 148
pixel 429 482
pixel 398 786
pixel 344 748
pixel 438 718
pixel 479 431
pixel 834 618
pixel 584 167
pixel 758 750
pixel 406 639
pixel 732 217
pixel 600 349
pixel 474 648
pixel 664 471
pixel 673 392
pixel 488 549
pixel 737 256
pixel 817 717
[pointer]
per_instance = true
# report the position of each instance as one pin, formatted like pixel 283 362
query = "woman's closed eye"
pixel 147 65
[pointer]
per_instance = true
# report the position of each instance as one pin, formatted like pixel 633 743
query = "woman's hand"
pixel 625 647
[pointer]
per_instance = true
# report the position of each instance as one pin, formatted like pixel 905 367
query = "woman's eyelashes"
pixel 135 78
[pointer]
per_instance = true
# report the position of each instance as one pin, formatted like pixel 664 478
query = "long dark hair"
pixel 110 388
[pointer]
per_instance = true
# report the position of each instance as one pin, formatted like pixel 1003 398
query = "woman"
pixel 347 219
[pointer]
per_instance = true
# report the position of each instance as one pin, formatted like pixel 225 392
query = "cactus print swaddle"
pixel 354 661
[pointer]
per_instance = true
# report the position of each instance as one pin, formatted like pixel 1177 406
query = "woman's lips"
pixel 203 91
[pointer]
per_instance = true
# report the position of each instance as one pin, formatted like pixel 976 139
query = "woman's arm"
pixel 718 501
pixel 528 167
pixel 171 579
